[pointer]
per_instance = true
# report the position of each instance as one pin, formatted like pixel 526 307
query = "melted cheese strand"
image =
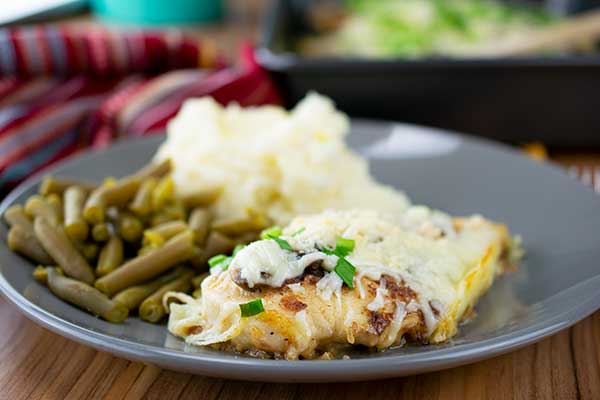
pixel 219 332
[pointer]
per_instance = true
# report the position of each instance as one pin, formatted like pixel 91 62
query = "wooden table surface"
pixel 35 363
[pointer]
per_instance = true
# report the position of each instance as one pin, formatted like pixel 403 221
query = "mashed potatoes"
pixel 271 162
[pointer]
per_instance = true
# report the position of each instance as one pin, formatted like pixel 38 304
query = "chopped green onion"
pixel 216 260
pixel 220 261
pixel 225 264
pixel 343 247
pixel 299 231
pixel 327 251
pixel 251 308
pixel 282 243
pixel 271 232
pixel 237 248
pixel 346 271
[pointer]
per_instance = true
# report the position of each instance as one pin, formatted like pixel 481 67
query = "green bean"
pixel 197 280
pixel 55 241
pixel 159 234
pixel 163 193
pixel 75 226
pixel 155 170
pixel 85 296
pixel 141 205
pixel 23 241
pixel 89 251
pixel 94 208
pixel 216 243
pixel 15 215
pixel 152 239
pixel 161 218
pixel 152 309
pixel 178 249
pixel 247 237
pixel 170 212
pixel 170 229
pixel 175 210
pixel 56 202
pixel 52 184
pixel 121 191
pixel 111 256
pixel 129 227
pixel 40 274
pixel 101 232
pixel 202 197
pixel 37 206
pixel 199 224
pixel 146 249
pixel 116 194
pixel 198 259
pixel 238 226
pixel 132 297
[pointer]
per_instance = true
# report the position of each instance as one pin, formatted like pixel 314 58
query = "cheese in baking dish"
pixel 416 276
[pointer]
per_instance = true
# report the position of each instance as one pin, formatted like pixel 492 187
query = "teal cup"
pixel 159 12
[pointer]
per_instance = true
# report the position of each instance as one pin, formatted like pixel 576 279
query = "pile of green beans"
pixel 114 249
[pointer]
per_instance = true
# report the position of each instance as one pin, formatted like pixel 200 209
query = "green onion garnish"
pixel 220 261
pixel 346 271
pixel 271 232
pixel 343 247
pixel 216 260
pixel 299 231
pixel 327 251
pixel 225 264
pixel 282 243
pixel 251 308
pixel 237 248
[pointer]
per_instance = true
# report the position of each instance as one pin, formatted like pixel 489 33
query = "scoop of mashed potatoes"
pixel 272 162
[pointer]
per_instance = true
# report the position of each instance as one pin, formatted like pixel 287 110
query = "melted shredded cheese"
pixel 190 314
pixel 301 318
pixel 331 283
pixel 359 285
pixel 379 301
pixel 265 262
pixel 430 318
pixel 297 288
pixel 396 324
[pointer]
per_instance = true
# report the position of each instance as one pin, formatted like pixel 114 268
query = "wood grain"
pixel 37 364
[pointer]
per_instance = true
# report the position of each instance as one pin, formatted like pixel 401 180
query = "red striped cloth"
pixel 62 91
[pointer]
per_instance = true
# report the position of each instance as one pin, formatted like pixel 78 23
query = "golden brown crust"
pixel 291 303
pixel 305 321
pixel 379 321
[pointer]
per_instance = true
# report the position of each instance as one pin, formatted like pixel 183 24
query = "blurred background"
pixel 76 74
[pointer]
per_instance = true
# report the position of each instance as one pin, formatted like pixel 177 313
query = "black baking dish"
pixel 552 99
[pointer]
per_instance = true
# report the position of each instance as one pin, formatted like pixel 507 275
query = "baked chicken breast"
pixel 346 278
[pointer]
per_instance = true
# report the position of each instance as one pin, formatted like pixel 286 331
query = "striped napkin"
pixel 63 90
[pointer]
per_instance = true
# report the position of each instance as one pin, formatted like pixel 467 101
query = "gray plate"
pixel 556 286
